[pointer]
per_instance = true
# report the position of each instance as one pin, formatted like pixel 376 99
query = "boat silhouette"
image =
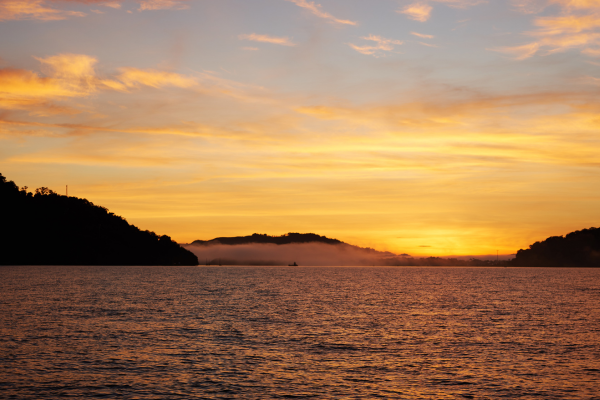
pixel 293 265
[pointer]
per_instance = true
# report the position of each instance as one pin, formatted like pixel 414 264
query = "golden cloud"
pixel 73 76
pixel 382 44
pixel 578 27
pixel 421 35
pixel 134 77
pixel 316 10
pixel 33 9
pixel 68 75
pixel 284 41
pixel 417 11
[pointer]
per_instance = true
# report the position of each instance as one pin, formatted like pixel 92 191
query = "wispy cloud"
pixel 578 27
pixel 112 4
pixel 284 41
pixel 423 36
pixel 518 52
pixel 162 5
pixel 381 45
pixel 33 9
pixel 421 10
pixel 316 10
pixel 417 11
pixel 135 77
pixel 43 10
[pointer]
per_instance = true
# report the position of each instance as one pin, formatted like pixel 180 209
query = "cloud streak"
pixel 381 45
pixel 162 5
pixel 422 36
pixel 254 37
pixel 33 9
pixel 577 28
pixel 315 9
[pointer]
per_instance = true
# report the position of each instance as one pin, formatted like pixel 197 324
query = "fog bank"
pixel 304 254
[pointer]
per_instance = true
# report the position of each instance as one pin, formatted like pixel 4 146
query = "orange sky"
pixel 441 127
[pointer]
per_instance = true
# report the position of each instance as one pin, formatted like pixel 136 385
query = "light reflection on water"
pixel 253 332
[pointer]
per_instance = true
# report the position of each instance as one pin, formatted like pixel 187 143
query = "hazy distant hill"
pixel 50 229
pixel 303 248
pixel 576 249
pixel 308 249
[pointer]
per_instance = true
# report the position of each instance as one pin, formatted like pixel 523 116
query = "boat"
pixel 293 265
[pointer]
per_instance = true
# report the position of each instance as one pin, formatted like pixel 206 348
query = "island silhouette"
pixel 45 228
pixel 575 249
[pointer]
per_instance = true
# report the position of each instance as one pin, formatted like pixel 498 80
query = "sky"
pixel 434 127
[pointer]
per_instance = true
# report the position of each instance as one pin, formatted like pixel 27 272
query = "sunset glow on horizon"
pixel 435 127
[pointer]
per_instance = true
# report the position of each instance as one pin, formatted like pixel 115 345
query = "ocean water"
pixel 294 332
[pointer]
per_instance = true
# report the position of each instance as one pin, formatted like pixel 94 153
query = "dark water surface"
pixel 259 333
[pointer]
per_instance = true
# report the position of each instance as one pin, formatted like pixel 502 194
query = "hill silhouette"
pixel 46 228
pixel 576 249
pixel 263 238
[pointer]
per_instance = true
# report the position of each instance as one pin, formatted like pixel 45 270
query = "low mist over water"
pixel 273 332
pixel 304 254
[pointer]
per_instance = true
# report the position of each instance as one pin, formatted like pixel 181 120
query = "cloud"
pixel 73 69
pixel 162 5
pixel 42 10
pixel 67 75
pixel 421 10
pixel 33 9
pixel 447 112
pixel 461 3
pixel 421 35
pixel 73 76
pixel 578 27
pixel 135 77
pixel 316 10
pixel 417 11
pixel 112 4
pixel 519 52
pixel 284 41
pixel 21 89
pixel 382 44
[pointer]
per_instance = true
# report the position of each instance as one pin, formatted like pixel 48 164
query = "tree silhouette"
pixel 48 228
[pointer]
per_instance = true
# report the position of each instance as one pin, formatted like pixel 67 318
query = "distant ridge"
pixel 309 249
pixel 46 228
pixel 288 238
pixel 575 249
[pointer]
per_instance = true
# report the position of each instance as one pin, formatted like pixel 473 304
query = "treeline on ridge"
pixel 575 249
pixel 46 228
pixel 288 238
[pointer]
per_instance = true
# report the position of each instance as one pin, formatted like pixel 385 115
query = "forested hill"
pixel 50 229
pixel 258 238
pixel 576 249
